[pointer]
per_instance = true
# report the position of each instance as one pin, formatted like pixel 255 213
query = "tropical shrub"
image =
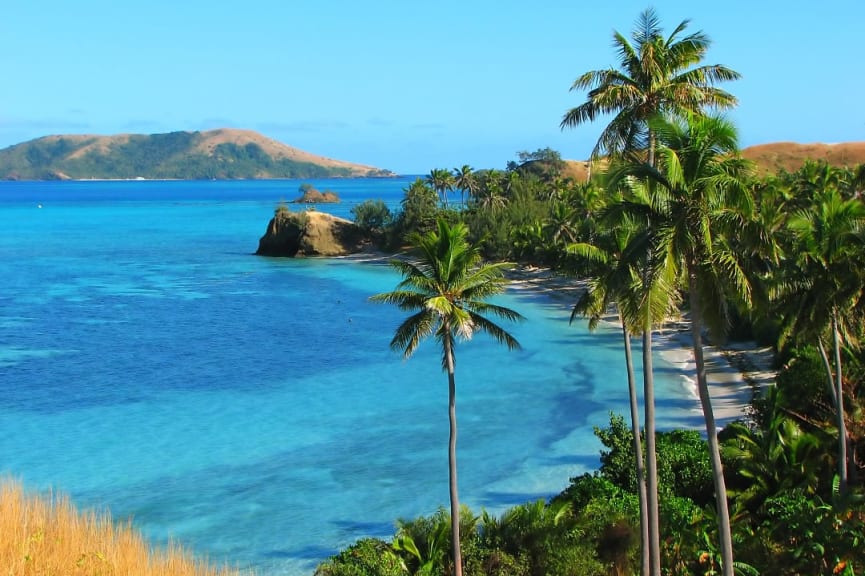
pixel 366 557
pixel 372 215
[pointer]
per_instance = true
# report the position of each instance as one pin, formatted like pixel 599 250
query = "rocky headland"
pixel 311 233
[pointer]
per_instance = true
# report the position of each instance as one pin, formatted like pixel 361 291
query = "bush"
pixel 372 215
pixel 683 461
pixel 366 557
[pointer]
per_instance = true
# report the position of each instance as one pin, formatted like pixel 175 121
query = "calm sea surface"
pixel 250 407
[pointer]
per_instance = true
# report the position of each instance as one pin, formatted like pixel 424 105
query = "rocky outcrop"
pixel 313 196
pixel 311 233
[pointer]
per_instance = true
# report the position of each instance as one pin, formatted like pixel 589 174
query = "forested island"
pixel 210 155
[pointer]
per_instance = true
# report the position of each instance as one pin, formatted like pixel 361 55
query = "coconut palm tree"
pixel 656 76
pixel 820 293
pixel 466 182
pixel 609 279
pixel 778 458
pixel 442 181
pixel 446 287
pixel 701 192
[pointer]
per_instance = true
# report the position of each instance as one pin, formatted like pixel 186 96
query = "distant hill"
pixel 214 154
pixel 771 158
pixel 789 156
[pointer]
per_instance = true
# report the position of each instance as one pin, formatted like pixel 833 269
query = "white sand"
pixel 735 371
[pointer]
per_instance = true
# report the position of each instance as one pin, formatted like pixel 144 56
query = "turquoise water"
pixel 250 407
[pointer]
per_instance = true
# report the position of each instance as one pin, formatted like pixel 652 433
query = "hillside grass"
pixel 47 535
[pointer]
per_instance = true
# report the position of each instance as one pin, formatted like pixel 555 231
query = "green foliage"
pixel 802 388
pixel 802 534
pixel 419 210
pixel 367 557
pixel 540 155
pixel 424 542
pixel 683 461
pixel 544 163
pixel 372 215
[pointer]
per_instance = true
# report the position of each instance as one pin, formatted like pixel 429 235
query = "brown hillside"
pixel 579 169
pixel 212 138
pixel 98 144
pixel 789 156
pixel 769 158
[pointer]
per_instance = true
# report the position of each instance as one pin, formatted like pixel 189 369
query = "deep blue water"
pixel 251 407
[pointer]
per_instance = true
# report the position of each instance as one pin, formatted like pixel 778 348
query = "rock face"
pixel 313 196
pixel 311 233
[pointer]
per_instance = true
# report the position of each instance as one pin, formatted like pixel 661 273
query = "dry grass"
pixel 769 159
pixel 789 156
pixel 48 536
pixel 212 138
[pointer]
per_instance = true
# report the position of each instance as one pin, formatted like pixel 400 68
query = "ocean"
pixel 250 408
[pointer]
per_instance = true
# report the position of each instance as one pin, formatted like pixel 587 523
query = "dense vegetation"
pixel 174 155
pixel 673 223
pixel 801 250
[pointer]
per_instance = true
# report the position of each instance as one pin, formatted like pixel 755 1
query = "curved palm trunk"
pixel 724 530
pixel 831 379
pixel 638 452
pixel 839 406
pixel 653 515
pixel 452 460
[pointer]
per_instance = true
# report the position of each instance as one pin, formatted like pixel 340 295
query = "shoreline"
pixel 736 371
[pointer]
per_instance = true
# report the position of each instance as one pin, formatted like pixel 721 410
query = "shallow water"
pixel 250 407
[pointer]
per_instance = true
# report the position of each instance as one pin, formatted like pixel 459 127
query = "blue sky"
pixel 404 84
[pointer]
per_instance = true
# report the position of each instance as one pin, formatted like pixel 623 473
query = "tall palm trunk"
pixel 654 525
pixel 452 459
pixel 651 159
pixel 724 531
pixel 638 451
pixel 839 406
pixel 831 379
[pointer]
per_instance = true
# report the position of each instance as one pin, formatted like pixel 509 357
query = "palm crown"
pixel 655 77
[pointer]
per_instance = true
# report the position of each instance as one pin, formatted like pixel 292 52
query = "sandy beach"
pixel 736 370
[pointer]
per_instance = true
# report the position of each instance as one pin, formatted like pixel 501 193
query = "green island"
pixel 210 155
pixel 670 224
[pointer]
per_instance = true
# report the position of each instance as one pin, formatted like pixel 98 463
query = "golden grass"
pixel 48 536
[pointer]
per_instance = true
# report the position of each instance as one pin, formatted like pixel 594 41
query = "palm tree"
pixel 529 531
pixel 821 291
pixel 442 181
pixel 446 288
pixel 612 279
pixel 655 77
pixel 701 192
pixel 490 194
pixel 466 181
pixel 561 225
pixel 778 458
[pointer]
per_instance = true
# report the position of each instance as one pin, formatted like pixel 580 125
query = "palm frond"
pixel 494 330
